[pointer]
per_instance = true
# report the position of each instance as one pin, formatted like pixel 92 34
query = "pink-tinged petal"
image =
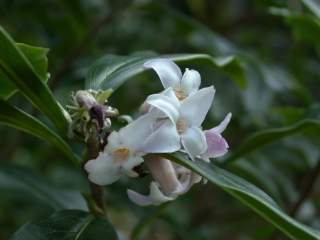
pixel 190 81
pixel 217 145
pixel 85 99
pixel 187 180
pixel 223 125
pixel 165 104
pixel 195 107
pixel 138 198
pixel 156 197
pixel 163 173
pixel 164 139
pixel 194 141
pixel 168 72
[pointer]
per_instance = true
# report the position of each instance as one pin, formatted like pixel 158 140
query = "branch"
pixel 97 192
pixel 307 189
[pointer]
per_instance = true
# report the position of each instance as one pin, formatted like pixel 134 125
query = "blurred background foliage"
pixel 276 43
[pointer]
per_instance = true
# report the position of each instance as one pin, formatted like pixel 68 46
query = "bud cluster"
pixel 90 113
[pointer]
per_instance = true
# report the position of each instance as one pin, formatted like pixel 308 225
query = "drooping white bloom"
pixel 187 115
pixel 170 181
pixel 125 149
pixel 171 76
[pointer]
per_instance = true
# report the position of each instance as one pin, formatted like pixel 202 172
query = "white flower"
pixel 187 115
pixel 125 148
pixel 170 181
pixel 171 76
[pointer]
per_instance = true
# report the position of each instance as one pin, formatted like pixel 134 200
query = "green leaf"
pixel 7 88
pixel 24 184
pixel 314 6
pixel 21 72
pixel 37 57
pixel 249 195
pixel 112 71
pixel 265 137
pixel 16 118
pixel 65 225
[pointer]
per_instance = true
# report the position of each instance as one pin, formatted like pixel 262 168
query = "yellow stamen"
pixel 179 93
pixel 181 125
pixel 120 154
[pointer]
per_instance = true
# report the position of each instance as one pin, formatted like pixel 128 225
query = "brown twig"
pixel 76 52
pixel 307 189
pixel 97 192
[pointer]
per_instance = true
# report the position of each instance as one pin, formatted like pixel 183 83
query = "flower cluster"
pixel 171 121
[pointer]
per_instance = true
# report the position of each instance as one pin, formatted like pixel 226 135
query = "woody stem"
pixel 97 192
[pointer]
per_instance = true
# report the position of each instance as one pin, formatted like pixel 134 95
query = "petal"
pixel 195 107
pixel 190 81
pixel 166 103
pixel 164 174
pixel 114 141
pixel 156 197
pixel 127 166
pixel 222 126
pixel 102 170
pixel 168 72
pixel 217 145
pixel 165 139
pixel 138 198
pixel 194 141
pixel 187 181
pixel 131 135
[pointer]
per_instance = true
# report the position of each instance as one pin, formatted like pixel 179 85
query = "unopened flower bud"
pixel 85 99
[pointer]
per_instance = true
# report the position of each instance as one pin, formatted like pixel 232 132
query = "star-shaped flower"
pixel 125 149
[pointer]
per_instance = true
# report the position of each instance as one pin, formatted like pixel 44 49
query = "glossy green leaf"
pixel 23 184
pixel 37 57
pixel 21 72
pixel 249 195
pixel 7 88
pixel 314 6
pixel 16 118
pixel 265 137
pixel 112 71
pixel 67 225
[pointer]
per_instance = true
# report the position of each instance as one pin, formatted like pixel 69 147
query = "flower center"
pixel 179 93
pixel 121 154
pixel 181 125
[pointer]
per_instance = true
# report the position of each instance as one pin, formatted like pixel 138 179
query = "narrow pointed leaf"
pixel 16 118
pixel 112 71
pixel 314 6
pixel 265 137
pixel 37 57
pixel 22 73
pixel 249 195
pixel 68 224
